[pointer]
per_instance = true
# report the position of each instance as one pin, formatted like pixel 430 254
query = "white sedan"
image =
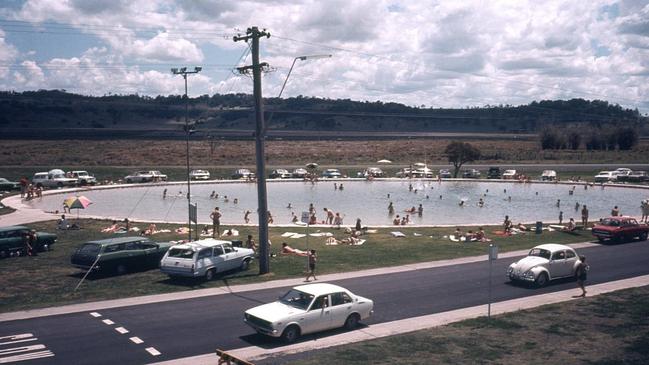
pixel 199 175
pixel 544 263
pixel 307 309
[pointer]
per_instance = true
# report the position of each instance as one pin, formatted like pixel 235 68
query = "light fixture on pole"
pixel 183 72
pixel 301 58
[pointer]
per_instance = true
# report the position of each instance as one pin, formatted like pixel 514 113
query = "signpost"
pixel 493 256
pixel 193 217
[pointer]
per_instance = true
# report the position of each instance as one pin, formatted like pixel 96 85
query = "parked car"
pixel 53 179
pixel 243 174
pixel 620 229
pixel 331 173
pixel 307 309
pixel 199 175
pixel 205 258
pixel 545 263
pixel 145 176
pixel 373 172
pixel 83 177
pixel 299 173
pixel 421 170
pixel 549 175
pixel 494 173
pixel 510 174
pixel 637 176
pixel 119 255
pixel 280 174
pixel 445 174
pixel 604 176
pixel 471 174
pixel 6 185
pixel 12 241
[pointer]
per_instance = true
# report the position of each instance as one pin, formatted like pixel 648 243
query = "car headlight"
pixel 528 274
pixel 510 270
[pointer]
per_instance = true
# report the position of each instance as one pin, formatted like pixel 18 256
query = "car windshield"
pixel 90 249
pixel 297 299
pixel 540 253
pixel 610 222
pixel 181 253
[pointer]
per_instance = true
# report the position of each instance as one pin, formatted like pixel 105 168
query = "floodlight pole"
pixel 183 72
pixel 301 58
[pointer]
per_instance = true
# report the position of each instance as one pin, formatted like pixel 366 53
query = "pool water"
pixel 367 200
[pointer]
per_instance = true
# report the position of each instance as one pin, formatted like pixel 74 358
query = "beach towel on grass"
pixel 397 234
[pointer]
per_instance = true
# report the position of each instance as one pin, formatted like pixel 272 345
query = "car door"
pixel 341 307
pixel 151 253
pixel 218 259
pixel 204 260
pixel 230 261
pixel 558 266
pixel 571 261
pixel 318 317
pixel 134 257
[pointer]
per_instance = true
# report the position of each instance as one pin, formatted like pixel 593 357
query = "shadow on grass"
pixel 267 342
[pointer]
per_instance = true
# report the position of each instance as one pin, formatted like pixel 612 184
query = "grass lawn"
pixel 608 329
pixel 48 279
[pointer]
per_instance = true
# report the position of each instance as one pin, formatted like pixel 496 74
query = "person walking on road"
pixel 216 222
pixel 582 274
pixel 313 258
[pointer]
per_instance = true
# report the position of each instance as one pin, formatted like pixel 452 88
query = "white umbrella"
pixel 383 161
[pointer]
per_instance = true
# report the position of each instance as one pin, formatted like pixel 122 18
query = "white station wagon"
pixel 307 309
pixel 544 263
pixel 204 258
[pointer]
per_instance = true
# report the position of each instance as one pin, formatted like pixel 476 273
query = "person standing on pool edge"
pixel 216 222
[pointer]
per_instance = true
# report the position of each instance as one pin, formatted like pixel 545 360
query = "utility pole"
pixel 253 34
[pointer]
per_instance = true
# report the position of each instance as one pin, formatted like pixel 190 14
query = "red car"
pixel 620 229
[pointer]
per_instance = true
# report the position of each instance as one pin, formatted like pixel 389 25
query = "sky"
pixel 419 53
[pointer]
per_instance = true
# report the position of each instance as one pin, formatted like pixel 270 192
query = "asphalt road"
pixel 198 326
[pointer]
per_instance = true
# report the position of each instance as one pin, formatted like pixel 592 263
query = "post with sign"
pixel 493 255
pixel 193 214
pixel 305 219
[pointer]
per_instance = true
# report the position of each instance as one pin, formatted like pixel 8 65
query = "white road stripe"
pixel 136 340
pixel 16 350
pixel 108 321
pixel 153 351
pixel 95 314
pixel 121 330
pixel 17 341
pixel 17 337
pixel 30 356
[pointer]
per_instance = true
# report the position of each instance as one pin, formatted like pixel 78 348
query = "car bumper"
pixel 264 330
pixel 174 271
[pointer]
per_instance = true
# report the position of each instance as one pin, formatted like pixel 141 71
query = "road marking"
pixel 108 322
pixel 30 356
pixel 95 314
pixel 121 330
pixel 23 337
pixel 136 340
pixel 153 351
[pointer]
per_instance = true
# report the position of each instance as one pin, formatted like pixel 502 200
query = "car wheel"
pixel 600 239
pixel 245 264
pixel 541 280
pixel 352 321
pixel 128 181
pixel 209 274
pixel 4 254
pixel 643 236
pixel 121 269
pixel 59 185
pixel 291 334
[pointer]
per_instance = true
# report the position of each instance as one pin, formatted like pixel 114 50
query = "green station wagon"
pixel 119 255
pixel 12 241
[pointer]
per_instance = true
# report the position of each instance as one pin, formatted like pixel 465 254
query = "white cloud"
pixel 442 53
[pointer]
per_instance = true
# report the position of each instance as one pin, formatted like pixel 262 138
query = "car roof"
pixel 320 288
pixel 118 240
pixel 12 228
pixel 554 247
pixel 204 243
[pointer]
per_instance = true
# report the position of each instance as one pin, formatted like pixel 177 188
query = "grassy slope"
pixel 607 329
pixel 48 279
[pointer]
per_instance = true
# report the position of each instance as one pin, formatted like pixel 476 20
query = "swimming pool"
pixel 367 200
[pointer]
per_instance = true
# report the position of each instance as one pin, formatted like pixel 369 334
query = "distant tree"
pixel 459 153
pixel 574 139
pixel 594 141
pixel 627 138
pixel 549 138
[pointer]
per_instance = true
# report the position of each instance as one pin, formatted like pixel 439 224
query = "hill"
pixel 58 114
